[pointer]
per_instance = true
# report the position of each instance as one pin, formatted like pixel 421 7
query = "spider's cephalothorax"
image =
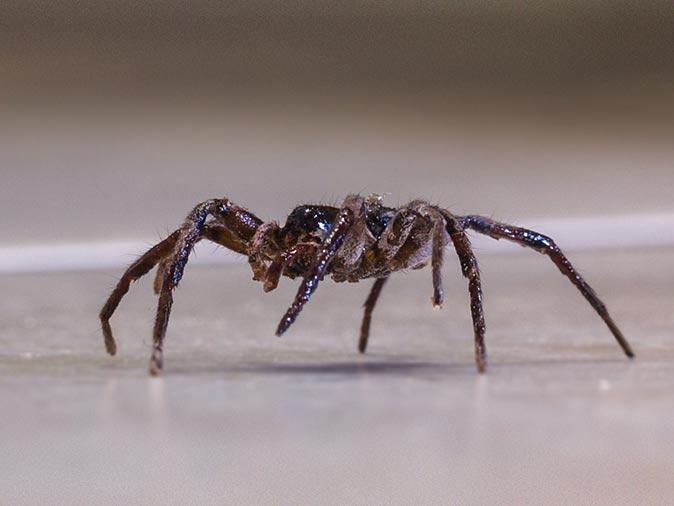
pixel 358 240
pixel 313 222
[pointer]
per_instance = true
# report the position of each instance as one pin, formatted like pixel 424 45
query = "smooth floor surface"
pixel 242 417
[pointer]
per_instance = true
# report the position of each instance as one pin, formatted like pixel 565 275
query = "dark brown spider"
pixel 361 239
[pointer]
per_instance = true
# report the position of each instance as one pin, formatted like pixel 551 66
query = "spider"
pixel 362 239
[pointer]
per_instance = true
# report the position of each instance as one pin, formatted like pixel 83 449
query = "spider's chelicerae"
pixel 361 239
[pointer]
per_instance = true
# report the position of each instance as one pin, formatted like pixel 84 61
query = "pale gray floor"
pixel 242 417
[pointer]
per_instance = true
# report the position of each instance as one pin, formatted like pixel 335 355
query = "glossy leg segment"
pixel 326 253
pixel 214 232
pixel 369 305
pixel 547 246
pixel 138 269
pixel 471 271
pixel 233 218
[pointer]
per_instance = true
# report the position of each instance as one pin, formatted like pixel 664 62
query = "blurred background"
pixel 116 117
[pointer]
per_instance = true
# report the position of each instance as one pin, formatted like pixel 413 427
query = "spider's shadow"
pixel 349 369
pixel 377 367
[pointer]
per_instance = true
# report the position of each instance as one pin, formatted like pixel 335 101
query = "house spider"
pixel 361 239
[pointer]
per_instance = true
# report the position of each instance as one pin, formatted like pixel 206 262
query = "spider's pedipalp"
pixel 547 246
pixel 282 261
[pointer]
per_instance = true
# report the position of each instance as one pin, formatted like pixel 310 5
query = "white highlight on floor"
pixel 574 234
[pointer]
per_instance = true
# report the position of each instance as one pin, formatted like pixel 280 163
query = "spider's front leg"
pixel 236 219
pixel 159 254
pixel 232 227
pixel 214 232
pixel 471 271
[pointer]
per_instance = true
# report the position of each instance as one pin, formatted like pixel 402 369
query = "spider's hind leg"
pixel 369 305
pixel 546 246
pixel 438 239
pixel 471 271
pixel 436 260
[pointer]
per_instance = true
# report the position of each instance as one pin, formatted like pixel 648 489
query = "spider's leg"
pixel 158 254
pixel 436 261
pixel 214 232
pixel 547 246
pixel 470 270
pixel 232 222
pixel 437 239
pixel 369 305
pixel 138 269
pixel 326 252
pixel 159 277
pixel 232 227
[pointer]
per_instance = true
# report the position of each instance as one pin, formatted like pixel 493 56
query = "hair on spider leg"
pixel 361 239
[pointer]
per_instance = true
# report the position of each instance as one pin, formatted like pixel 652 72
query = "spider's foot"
pixel 110 344
pixel 362 346
pixel 111 347
pixel 438 297
pixel 436 303
pixel 156 362
pixel 285 323
pixel 480 357
pixel 481 364
pixel 622 341
pixel 269 286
